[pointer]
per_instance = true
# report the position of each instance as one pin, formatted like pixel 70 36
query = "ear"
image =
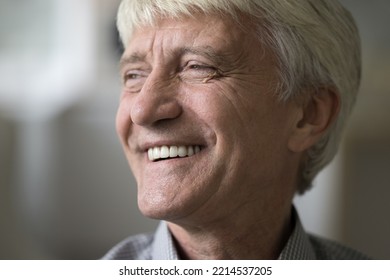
pixel 317 113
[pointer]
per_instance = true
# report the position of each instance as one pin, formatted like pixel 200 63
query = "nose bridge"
pixel 156 85
pixel 156 101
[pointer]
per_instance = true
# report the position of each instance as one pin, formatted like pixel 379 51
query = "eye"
pixel 131 76
pixel 198 72
pixel 133 80
pixel 201 67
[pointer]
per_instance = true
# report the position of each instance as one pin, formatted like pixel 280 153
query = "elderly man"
pixel 228 109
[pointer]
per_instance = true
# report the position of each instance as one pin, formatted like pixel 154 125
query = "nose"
pixel 156 101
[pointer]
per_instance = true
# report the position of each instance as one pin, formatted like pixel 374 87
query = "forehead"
pixel 213 32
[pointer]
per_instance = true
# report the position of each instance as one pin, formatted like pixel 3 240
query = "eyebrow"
pixel 205 51
pixel 129 59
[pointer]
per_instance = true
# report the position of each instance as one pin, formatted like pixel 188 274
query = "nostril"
pixel 150 110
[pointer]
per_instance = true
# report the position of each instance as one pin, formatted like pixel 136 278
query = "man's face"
pixel 199 98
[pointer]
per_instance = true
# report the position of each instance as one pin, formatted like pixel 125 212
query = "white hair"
pixel 316 42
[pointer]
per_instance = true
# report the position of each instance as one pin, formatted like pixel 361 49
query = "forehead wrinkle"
pixel 164 47
pixel 137 55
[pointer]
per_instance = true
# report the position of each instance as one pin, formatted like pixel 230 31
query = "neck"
pixel 261 236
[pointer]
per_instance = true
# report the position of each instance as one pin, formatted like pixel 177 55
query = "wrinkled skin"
pixel 204 81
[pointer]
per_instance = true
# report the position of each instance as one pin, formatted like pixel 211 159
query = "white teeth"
pixel 182 151
pixel 156 152
pixel 190 151
pixel 172 152
pixel 164 152
pixel 150 154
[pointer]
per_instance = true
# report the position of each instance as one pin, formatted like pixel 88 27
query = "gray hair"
pixel 316 42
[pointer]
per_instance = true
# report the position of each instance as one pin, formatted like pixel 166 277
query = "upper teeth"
pixel 172 151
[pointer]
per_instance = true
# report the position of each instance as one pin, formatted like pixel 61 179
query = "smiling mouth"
pixel 167 152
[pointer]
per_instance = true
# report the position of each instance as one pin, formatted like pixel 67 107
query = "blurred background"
pixel 65 188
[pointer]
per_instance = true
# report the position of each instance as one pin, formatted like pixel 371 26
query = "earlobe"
pixel 317 114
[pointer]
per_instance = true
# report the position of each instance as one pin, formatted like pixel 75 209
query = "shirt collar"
pixel 163 247
pixel 298 246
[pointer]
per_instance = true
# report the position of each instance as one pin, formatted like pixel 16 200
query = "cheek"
pixel 123 121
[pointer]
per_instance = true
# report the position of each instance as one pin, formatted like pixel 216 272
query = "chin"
pixel 169 209
pixel 160 210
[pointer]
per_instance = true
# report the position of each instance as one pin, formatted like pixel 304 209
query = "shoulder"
pixel 326 249
pixel 137 247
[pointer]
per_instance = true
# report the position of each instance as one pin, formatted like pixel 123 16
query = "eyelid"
pixel 133 71
pixel 135 83
pixel 195 71
pixel 200 65
pixel 137 66
pixel 197 62
pixel 139 72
